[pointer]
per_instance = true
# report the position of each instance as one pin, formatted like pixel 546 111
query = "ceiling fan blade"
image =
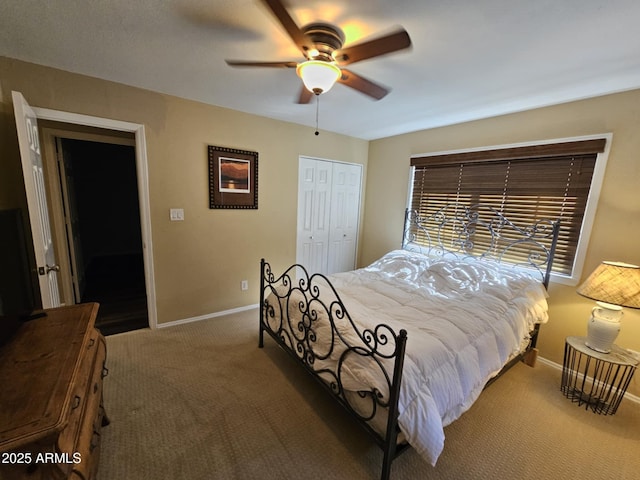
pixel 363 85
pixel 242 63
pixel 292 29
pixel 305 96
pixel 398 40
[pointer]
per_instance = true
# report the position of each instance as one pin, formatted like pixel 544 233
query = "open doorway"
pixel 45 199
pixel 100 200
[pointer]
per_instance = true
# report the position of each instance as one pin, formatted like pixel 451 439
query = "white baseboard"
pixel 627 395
pixel 207 316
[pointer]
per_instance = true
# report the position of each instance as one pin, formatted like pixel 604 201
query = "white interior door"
pixel 345 212
pixel 34 182
pixel 314 208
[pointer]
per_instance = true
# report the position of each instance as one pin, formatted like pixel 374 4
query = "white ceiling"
pixel 470 58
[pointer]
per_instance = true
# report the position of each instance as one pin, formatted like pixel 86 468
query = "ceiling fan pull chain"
pixel 317 109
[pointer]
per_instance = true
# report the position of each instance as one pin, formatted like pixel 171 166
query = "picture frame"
pixel 233 178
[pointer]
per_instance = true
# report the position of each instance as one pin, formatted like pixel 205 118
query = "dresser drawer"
pixel 88 444
pixel 80 393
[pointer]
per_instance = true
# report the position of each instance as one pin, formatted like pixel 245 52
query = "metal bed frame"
pixel 451 230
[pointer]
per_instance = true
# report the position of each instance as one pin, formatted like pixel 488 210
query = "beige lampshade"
pixel 615 283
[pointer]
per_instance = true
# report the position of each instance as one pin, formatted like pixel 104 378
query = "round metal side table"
pixel 596 380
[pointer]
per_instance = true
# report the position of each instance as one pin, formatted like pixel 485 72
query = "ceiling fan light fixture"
pixel 318 76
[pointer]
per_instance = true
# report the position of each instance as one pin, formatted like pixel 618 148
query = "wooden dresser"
pixel 51 409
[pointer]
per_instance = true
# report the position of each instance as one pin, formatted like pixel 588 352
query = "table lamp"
pixel 613 285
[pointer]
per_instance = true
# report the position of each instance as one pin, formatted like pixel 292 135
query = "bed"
pixel 407 344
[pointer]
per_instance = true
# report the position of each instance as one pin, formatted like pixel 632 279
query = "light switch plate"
pixel 176 214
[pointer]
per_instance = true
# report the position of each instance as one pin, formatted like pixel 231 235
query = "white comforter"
pixel 464 319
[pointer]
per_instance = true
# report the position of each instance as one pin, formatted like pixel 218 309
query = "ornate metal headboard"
pixel 481 231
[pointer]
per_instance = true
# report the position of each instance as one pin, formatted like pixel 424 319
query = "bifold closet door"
pixel 345 211
pixel 328 213
pixel 314 209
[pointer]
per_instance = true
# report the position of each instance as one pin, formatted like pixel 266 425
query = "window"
pixel 524 183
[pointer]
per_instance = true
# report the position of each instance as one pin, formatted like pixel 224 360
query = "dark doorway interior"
pixel 106 241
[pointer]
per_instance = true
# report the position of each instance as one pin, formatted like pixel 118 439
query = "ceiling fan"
pixel 322 46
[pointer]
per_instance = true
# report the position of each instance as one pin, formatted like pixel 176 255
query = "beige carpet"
pixel 202 401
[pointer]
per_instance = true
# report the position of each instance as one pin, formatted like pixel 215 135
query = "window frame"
pixel 592 199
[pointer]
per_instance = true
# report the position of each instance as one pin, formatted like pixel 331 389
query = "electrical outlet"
pixel 244 285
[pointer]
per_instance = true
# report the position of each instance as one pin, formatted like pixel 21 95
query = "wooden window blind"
pixel 525 184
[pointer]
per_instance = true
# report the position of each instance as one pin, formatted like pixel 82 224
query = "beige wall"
pixel 617 223
pixel 199 263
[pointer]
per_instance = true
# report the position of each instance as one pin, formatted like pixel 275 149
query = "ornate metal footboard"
pixel 304 314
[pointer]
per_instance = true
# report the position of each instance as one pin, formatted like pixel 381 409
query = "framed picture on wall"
pixel 233 178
